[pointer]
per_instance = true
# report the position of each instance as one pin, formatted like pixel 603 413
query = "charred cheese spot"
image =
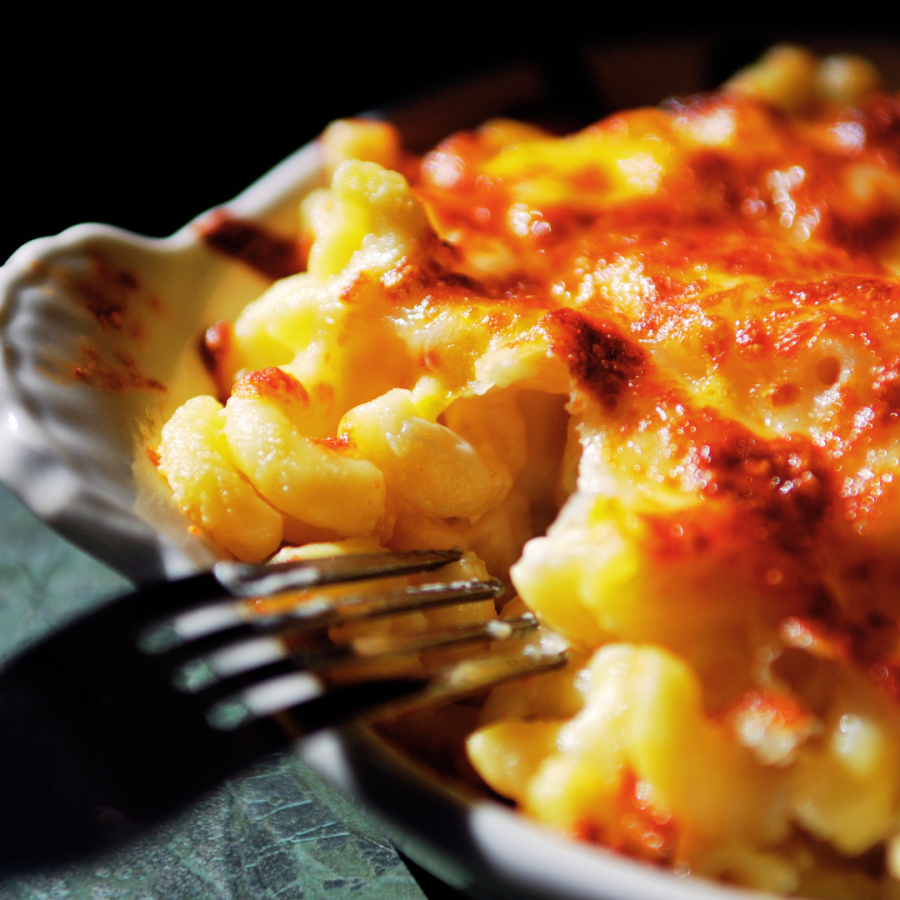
pixel 785 483
pixel 602 362
pixel 272 384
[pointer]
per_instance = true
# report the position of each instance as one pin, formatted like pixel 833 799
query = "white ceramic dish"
pixel 91 358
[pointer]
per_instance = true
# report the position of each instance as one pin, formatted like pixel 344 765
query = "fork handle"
pixel 45 800
pixel 88 754
pixel 95 744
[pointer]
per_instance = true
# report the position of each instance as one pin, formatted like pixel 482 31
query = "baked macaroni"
pixel 649 374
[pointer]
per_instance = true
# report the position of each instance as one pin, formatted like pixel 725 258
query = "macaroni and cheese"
pixel 649 375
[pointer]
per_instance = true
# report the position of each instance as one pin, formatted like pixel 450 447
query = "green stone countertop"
pixel 277 831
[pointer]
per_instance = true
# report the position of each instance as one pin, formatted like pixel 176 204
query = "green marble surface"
pixel 277 831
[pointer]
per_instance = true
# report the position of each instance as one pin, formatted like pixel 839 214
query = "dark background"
pixel 145 120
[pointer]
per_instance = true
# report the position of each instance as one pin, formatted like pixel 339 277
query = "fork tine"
pixel 317 614
pixel 239 667
pixel 378 647
pixel 357 607
pixel 473 676
pixel 302 702
pixel 247 580
pixel 263 580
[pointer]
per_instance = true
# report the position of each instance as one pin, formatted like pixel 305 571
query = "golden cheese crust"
pixel 674 336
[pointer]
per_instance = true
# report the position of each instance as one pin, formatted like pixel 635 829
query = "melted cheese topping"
pixel 673 335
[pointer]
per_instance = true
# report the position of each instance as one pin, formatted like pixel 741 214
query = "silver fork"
pixel 131 712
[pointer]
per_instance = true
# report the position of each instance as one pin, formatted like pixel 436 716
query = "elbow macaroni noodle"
pixel 649 374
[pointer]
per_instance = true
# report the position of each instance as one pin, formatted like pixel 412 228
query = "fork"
pixel 131 712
